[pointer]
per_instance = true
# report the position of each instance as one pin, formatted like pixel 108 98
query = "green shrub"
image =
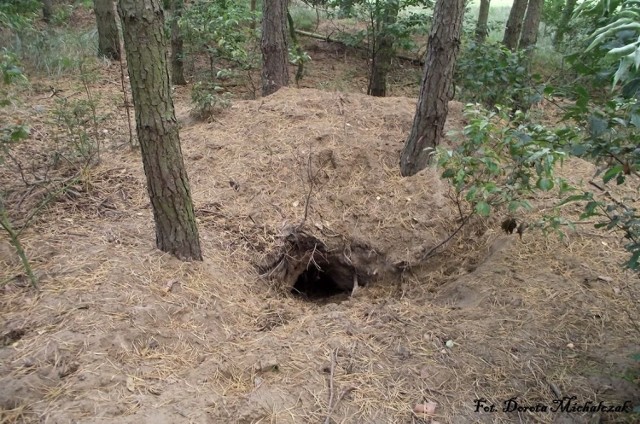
pixel 208 98
pixel 492 75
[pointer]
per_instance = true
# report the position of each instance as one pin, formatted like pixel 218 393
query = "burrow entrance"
pixel 323 279
pixel 305 266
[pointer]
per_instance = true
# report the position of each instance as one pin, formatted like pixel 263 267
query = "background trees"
pixel 514 24
pixel 482 28
pixel 274 46
pixel 108 32
pixel 383 52
pixel 177 44
pixel 531 24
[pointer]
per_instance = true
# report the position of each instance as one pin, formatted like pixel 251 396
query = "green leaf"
pixel 483 209
pixel 545 184
pixel 589 209
pixel 471 194
pixel 575 198
pixel 597 126
pixel 448 173
pixel 633 262
pixel 611 173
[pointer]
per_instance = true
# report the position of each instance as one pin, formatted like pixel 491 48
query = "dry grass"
pixel 105 341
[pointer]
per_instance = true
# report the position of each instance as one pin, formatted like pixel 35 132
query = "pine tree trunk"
pixel 383 52
pixel 252 8
pixel 275 52
pixel 531 24
pixel 108 35
pixel 514 24
pixel 47 10
pixel 563 25
pixel 435 91
pixel 157 128
pixel 482 27
pixel 177 51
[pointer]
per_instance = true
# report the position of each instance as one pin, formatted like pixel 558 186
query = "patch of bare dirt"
pixel 123 333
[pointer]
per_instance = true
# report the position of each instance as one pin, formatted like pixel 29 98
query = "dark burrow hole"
pixel 324 279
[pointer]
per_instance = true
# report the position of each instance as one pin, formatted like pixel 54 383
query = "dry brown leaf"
pixel 428 408
pixel 169 286
pixel 131 386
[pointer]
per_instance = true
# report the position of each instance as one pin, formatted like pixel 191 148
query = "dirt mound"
pixel 327 162
pixel 122 333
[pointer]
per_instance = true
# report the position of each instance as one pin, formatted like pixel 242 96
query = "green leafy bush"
pixel 208 98
pixel 11 132
pixel 498 164
pixel 610 137
pixel 493 75
pixel 220 29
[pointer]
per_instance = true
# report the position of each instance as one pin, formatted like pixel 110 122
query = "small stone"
pixel 267 364
pixel 570 345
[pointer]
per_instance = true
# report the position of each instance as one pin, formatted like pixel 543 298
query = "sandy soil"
pixel 121 333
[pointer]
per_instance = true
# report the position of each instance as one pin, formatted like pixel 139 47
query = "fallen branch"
pixel 328 39
pixel 15 241
pixel 334 358
pixel 445 241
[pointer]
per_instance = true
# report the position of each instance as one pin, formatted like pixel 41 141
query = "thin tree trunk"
pixel 567 13
pixel 514 24
pixel 435 91
pixel 157 128
pixel 297 48
pixel 275 52
pixel 177 51
pixel 482 27
pixel 108 35
pixel 531 25
pixel 47 10
pixel 252 7
pixel 383 52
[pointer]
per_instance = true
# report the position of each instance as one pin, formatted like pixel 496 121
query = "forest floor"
pixel 122 333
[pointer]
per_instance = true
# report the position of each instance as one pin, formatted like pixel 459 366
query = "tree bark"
pixel 47 10
pixel 531 25
pixel 252 8
pixel 514 24
pixel 383 52
pixel 482 27
pixel 108 35
pixel 157 128
pixel 563 25
pixel 435 91
pixel 177 51
pixel 275 52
